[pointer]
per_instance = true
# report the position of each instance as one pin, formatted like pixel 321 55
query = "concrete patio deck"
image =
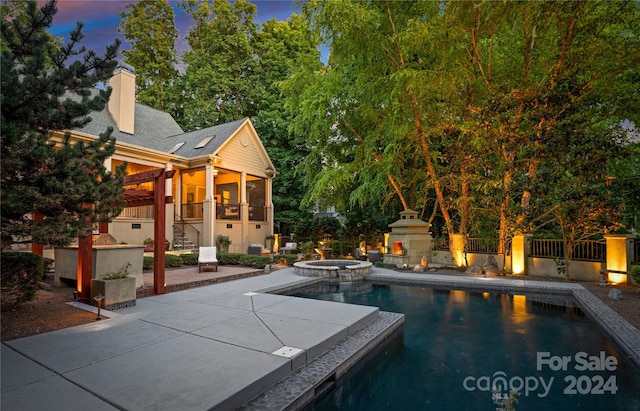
pixel 211 347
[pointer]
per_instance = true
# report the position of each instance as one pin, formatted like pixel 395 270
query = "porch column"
pixel 619 255
pixel 520 250
pixel 168 208
pixel 244 213
pixel 208 210
pixel 271 213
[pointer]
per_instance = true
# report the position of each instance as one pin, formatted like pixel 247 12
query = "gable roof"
pixel 192 139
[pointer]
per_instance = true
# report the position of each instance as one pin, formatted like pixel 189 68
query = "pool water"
pixel 456 345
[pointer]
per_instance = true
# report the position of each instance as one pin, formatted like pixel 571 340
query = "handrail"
pixel 183 222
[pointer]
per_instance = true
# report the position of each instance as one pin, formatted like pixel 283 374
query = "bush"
pixel 255 261
pixel 147 263
pixel 635 274
pixel 171 260
pixel 189 259
pixel 19 279
pixel 225 258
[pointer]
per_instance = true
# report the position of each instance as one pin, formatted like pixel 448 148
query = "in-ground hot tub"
pixel 346 270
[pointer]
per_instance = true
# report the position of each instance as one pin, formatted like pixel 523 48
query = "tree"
pixel 149 27
pixel 220 81
pixel 490 94
pixel 281 48
pixel 64 182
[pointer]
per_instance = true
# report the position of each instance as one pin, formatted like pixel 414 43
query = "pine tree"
pixel 66 182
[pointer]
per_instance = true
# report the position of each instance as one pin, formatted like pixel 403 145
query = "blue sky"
pixel 101 20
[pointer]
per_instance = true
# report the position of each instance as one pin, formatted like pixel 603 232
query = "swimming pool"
pixel 458 344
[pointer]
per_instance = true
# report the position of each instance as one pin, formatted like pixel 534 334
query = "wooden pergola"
pixel 134 198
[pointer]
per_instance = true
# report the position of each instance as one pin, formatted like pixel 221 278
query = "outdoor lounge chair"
pixel 289 248
pixel 207 257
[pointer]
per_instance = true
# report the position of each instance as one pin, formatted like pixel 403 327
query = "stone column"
pixel 208 210
pixel 457 249
pixel 619 255
pixel 520 250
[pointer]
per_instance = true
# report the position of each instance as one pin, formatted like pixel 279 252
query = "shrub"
pixel 189 259
pixel 147 263
pixel 635 274
pixel 307 249
pixel 255 261
pixel 225 258
pixel 19 279
pixel 171 260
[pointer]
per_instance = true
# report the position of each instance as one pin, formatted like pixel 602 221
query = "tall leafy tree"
pixel 491 94
pixel 64 182
pixel 220 80
pixel 547 72
pixel 281 48
pixel 149 27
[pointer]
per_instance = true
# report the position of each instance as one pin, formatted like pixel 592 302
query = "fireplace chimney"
pixel 123 97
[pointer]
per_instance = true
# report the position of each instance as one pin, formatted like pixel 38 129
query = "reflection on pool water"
pixel 458 344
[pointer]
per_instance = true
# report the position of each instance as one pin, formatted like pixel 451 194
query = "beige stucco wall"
pixel 105 258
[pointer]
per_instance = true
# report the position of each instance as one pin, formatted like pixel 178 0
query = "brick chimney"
pixel 123 97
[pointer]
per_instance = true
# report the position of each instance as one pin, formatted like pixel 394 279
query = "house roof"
pixel 151 125
pixel 193 139
pixel 157 130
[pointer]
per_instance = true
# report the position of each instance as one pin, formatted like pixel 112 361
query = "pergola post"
pixel 159 219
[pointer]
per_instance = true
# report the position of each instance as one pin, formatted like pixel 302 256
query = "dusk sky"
pixel 101 20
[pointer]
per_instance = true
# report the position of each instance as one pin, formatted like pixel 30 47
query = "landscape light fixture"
pixel 99 299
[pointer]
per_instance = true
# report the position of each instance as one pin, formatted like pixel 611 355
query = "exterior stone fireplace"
pixel 409 240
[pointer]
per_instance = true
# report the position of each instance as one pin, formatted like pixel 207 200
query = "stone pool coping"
pixel 615 326
pixel 354 270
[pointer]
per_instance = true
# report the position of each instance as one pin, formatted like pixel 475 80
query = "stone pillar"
pixel 457 249
pixel 619 255
pixel 520 250
pixel 169 208
pixel 244 214
pixel 208 210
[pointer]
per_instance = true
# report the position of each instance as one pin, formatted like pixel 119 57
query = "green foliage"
pixel 171 260
pixel 307 249
pixel 147 263
pixel 19 278
pixel 40 95
pixel 225 258
pixel 247 260
pixel 509 114
pixel 189 259
pixel 223 239
pixel 122 272
pixel 148 241
pixel 635 274
pixel 149 27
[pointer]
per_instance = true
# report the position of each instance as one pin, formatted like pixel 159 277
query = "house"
pixel 222 183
